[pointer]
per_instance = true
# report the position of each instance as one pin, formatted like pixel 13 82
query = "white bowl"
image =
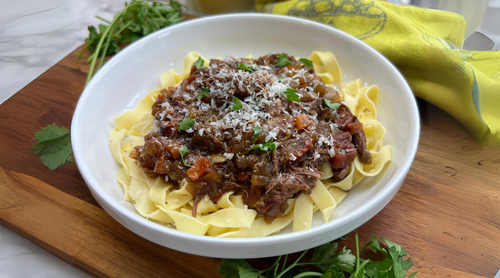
pixel 136 70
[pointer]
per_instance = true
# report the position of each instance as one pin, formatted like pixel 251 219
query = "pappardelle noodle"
pixel 162 199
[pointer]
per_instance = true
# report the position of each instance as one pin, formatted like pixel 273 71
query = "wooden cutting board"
pixel 446 215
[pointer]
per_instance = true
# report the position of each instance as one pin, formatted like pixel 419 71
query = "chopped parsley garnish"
pixel 269 145
pixel 53 146
pixel 237 105
pixel 256 132
pixel 231 85
pixel 333 105
pixel 306 62
pixel 248 67
pixel 186 123
pixel 291 95
pixel 199 63
pixel 184 150
pixel 204 92
pixel 281 78
pixel 282 61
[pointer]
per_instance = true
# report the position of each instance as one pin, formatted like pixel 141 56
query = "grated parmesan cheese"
pixel 228 156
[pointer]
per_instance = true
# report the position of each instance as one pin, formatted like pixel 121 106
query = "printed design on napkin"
pixel 343 15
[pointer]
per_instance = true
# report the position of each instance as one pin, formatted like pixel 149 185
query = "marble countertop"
pixel 34 36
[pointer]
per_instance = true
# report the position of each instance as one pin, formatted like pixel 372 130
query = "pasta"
pixel 159 200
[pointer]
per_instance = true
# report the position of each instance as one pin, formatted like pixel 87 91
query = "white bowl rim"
pixel 242 242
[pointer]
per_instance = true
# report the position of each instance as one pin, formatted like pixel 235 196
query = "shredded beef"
pixel 296 137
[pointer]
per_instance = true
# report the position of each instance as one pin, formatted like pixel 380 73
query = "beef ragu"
pixel 269 150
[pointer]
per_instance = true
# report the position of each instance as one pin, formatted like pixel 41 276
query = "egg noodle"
pixel 160 201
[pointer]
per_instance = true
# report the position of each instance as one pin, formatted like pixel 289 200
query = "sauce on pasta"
pixel 268 147
pixel 248 141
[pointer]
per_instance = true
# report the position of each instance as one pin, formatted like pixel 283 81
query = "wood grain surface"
pixel 446 214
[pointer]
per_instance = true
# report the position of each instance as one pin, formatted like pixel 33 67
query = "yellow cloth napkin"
pixel 424 45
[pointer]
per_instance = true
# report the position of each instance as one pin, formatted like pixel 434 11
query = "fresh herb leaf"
pixel 393 264
pixel 256 132
pixel 398 249
pixel 326 255
pixel 344 237
pixel 412 275
pixel 247 273
pixel 187 123
pixel 237 105
pixel 231 268
pixel 333 271
pixel 379 269
pixel 248 67
pixel 345 260
pixel 400 266
pixel 333 264
pixel 204 92
pixel 53 146
pixel 282 61
pixel 306 62
pixel 269 145
pixel 333 105
pixel 281 78
pixel 183 151
pixel 139 18
pixel 199 63
pixel 375 245
pixel 231 85
pixel 291 95
pixel 323 255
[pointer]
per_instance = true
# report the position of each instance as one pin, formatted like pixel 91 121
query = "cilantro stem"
pixel 284 263
pixel 292 265
pixel 91 57
pixel 308 273
pixel 272 266
pixel 85 48
pixel 103 55
pixel 98 17
pixel 123 29
pixel 301 264
pixel 101 41
pixel 160 15
pixel 357 254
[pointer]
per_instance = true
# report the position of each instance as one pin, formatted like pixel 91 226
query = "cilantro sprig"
pixel 237 105
pixel 187 123
pixel 139 18
pixel 331 262
pixel 183 151
pixel 248 67
pixel 53 146
pixel 199 63
pixel 333 105
pixel 204 92
pixel 282 61
pixel 291 95
pixel 306 62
